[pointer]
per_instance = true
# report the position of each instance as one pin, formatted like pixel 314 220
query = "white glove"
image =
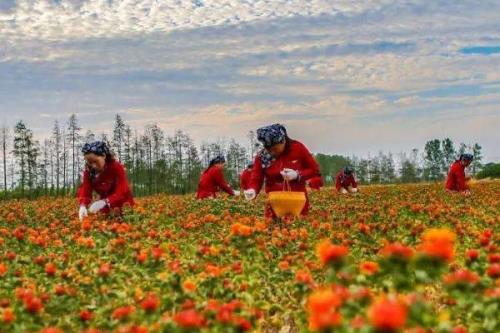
pixel 236 193
pixel 97 206
pixel 250 194
pixel 343 191
pixel 289 174
pixel 83 212
pixel 354 190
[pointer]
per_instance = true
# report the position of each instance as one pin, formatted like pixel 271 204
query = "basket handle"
pixel 286 186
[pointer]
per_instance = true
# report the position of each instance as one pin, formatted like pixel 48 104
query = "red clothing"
pixel 211 181
pixel 297 157
pixel 456 178
pixel 111 184
pixel 316 183
pixel 245 178
pixel 343 181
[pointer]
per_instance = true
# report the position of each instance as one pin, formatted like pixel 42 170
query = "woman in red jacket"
pixel 282 160
pixel 456 181
pixel 212 179
pixel 345 182
pixel 245 177
pixel 106 176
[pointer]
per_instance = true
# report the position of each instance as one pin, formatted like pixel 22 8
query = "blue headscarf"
pixel 269 136
pixel 97 147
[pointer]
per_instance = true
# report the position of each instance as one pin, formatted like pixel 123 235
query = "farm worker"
pixel 212 179
pixel 106 176
pixel 315 183
pixel 281 160
pixel 345 182
pixel 245 177
pixel 457 181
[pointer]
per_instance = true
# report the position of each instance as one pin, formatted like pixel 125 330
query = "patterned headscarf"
pixel 97 147
pixel 271 135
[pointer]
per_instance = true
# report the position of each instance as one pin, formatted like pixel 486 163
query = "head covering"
pixel 97 147
pixel 466 157
pixel 218 159
pixel 271 135
pixel 348 170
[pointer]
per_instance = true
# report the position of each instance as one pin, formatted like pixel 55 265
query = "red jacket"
pixel 316 183
pixel 456 178
pixel 245 178
pixel 111 184
pixel 342 181
pixel 297 157
pixel 211 181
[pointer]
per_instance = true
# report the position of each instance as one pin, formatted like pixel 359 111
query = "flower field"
pixel 405 258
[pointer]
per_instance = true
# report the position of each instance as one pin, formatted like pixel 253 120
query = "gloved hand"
pixel 289 174
pixel 354 190
pixel 343 191
pixel 236 193
pixel 82 213
pixel 97 206
pixel 250 194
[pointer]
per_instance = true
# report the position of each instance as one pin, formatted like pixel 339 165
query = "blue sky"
pixel 347 77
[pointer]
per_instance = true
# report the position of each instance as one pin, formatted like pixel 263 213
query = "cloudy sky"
pixel 348 77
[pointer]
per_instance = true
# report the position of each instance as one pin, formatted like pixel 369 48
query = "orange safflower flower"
pixel 50 269
pixel 283 265
pixel 397 250
pixel 3 269
pixel 122 312
pixel 8 316
pixel 322 309
pixel 461 276
pixel 188 286
pixel 150 303
pixel 85 315
pixel 303 276
pixel 189 319
pixel 388 315
pixel 369 267
pixel 439 244
pixel 213 271
pixel 330 253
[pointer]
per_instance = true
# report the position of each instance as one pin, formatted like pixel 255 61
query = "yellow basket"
pixel 286 203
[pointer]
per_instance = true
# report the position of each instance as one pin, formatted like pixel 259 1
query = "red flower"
pixel 397 250
pixel 330 253
pixel 388 315
pixel 104 270
pixel 493 271
pixel 303 276
pixel 150 303
pixel 322 309
pixel 459 329
pixel 85 315
pixel 472 254
pixel 50 269
pixel 8 316
pixel 189 319
pixel 494 258
pixel 461 276
pixel 122 312
pixel 33 304
pixel 369 267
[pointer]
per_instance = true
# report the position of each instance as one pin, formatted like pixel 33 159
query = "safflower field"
pixel 398 258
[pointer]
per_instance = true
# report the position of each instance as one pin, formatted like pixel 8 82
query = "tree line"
pixel 160 163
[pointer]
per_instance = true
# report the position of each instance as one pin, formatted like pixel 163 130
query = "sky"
pixel 345 77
